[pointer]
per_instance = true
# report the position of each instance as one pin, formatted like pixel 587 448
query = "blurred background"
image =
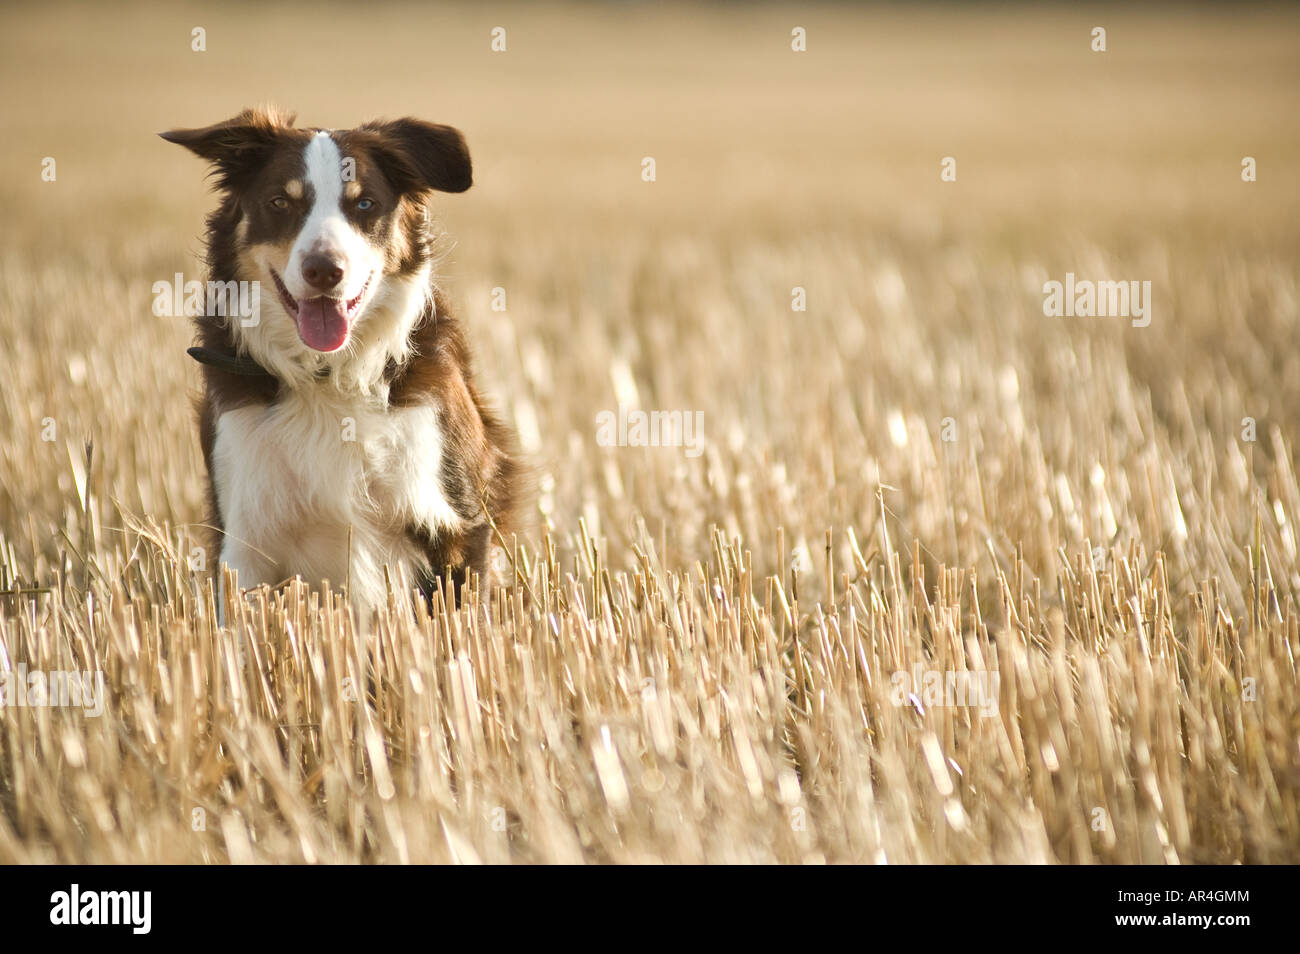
pixel 776 169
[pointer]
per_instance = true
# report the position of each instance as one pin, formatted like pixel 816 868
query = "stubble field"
pixel 919 473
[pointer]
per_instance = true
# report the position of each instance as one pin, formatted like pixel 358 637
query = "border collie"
pixel 342 430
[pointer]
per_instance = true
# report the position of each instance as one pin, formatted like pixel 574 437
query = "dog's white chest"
pixel 328 489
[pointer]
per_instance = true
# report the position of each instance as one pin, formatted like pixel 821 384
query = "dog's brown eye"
pixel 280 202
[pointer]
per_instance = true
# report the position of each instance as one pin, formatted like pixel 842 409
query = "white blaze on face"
pixel 327 230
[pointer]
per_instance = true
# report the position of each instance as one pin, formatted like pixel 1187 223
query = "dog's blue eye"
pixel 365 205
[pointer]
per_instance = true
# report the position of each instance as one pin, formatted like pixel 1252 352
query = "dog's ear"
pixel 237 146
pixel 419 156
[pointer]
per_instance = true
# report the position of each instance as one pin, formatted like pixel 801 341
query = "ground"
pixel 726 651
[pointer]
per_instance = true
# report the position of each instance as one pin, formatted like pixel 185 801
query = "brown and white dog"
pixel 341 427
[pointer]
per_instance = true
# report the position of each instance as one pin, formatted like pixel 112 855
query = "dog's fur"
pixel 333 462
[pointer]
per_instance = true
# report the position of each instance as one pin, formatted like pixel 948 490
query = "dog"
pixel 342 431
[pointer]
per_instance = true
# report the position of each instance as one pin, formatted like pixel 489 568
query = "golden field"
pixel 697 660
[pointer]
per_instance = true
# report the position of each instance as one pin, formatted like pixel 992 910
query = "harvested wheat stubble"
pixel 700 658
pixel 696 715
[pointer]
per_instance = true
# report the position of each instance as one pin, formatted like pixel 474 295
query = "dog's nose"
pixel 321 272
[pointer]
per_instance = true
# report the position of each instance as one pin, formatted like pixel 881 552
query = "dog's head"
pixel 333 224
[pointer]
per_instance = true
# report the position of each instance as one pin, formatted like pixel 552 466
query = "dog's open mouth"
pixel 323 323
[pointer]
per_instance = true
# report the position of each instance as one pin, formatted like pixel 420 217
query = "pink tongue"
pixel 322 323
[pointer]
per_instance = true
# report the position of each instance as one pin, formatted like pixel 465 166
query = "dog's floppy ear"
pixel 419 156
pixel 236 146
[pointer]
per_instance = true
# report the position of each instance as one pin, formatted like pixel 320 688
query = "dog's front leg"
pixel 251 568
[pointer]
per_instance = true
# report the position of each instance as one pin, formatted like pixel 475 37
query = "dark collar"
pixel 234 364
